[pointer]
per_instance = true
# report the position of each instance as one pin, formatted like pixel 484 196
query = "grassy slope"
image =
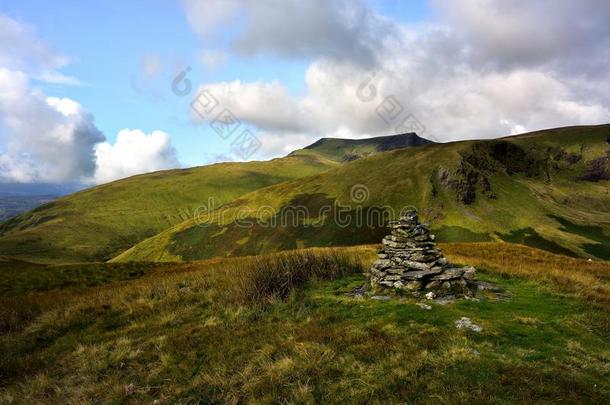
pixel 196 334
pixel 562 215
pixel 100 222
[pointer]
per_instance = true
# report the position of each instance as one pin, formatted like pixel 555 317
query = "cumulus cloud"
pixel 134 152
pixel 46 139
pixel 485 68
pixel 343 30
pixel 55 140
pixel 525 33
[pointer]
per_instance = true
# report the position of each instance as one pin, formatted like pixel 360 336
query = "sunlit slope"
pixel 548 189
pixel 100 222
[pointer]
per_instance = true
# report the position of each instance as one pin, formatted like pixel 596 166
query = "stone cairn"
pixel 410 261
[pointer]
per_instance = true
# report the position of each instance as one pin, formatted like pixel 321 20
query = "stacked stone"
pixel 410 261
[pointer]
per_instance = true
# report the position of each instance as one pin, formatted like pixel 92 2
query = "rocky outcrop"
pixel 410 261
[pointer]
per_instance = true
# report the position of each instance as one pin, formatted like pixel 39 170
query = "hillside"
pixel 98 223
pixel 548 189
pixel 260 330
pixel 345 150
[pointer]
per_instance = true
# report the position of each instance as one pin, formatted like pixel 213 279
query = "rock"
pixel 413 285
pixel 395 270
pixel 382 263
pixel 380 298
pixel 418 274
pixel 357 292
pixel 469 273
pixel 415 265
pixel 449 274
pixel 445 299
pixel 410 260
pixel 424 306
pixel 430 295
pixel 466 323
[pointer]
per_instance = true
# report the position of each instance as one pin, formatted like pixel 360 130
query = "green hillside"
pixel 98 223
pixel 549 189
pixel 101 222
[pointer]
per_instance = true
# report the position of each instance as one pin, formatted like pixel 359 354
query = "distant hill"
pixel 345 150
pixel 101 222
pixel 549 189
pixel 11 205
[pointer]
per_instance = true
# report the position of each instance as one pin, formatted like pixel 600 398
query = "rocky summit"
pixel 410 261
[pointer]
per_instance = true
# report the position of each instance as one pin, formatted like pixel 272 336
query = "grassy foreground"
pixel 281 329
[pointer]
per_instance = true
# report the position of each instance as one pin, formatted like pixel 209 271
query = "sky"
pixel 95 91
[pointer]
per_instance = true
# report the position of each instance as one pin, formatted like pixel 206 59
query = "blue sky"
pixel 108 41
pixel 288 70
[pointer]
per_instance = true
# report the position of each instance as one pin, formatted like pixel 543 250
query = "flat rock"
pixel 449 274
pixel 415 265
pixel 418 274
pixel 381 298
pixel 466 323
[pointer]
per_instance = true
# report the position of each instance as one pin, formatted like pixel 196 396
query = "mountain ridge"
pixel 528 189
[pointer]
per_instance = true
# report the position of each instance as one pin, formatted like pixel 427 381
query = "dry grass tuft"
pixel 589 280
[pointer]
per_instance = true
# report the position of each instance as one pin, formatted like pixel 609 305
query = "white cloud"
pixel 134 152
pixel 45 138
pixel 487 68
pixel 54 140
pixel 341 30
pixel 528 33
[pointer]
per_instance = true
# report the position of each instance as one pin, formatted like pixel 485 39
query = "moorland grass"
pixel 525 207
pixel 98 223
pixel 224 331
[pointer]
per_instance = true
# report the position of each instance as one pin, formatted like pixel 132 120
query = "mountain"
pixel 548 189
pixel 16 204
pixel 345 150
pixel 99 223
pixel 37 189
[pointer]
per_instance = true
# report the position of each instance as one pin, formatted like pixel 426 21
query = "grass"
pixel 589 280
pixel 281 329
pixel 150 217
pixel 527 208
pixel 98 223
